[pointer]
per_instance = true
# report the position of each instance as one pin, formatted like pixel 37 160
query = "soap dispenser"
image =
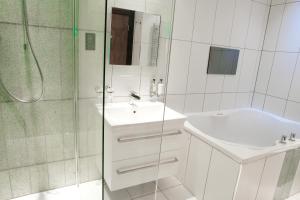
pixel 153 88
pixel 160 88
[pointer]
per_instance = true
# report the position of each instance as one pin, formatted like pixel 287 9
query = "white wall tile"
pixel 257 26
pixel 125 79
pixel 17 154
pixel 197 167
pixel 249 70
pixel 275 2
pixel 290 30
pixel 258 101
pixel 240 23
pixel 198 68
pixel 295 87
pixel 264 71
pixel 139 5
pixel 70 172
pixel 282 73
pixel 204 20
pixel 90 66
pixel 5 190
pixel 228 101
pixel 214 83
pixel 273 29
pixel 3 157
pixel 39 178
pixel 274 105
pixel 178 70
pixel 243 100
pixel 225 182
pixel 20 181
pixel 90 11
pixel 293 111
pixel 211 102
pixel 184 19
pixel 223 22
pixel 56 174
pixel 36 149
pixel 194 103
pixel 54 145
pixel 176 102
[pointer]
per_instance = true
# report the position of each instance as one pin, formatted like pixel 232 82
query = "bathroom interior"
pixel 150 99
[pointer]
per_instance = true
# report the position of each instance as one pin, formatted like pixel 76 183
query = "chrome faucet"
pixel 133 97
pixel 283 139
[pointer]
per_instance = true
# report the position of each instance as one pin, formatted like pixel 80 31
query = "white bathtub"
pixel 243 134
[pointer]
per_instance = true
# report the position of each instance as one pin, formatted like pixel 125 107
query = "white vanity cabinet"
pixel 133 142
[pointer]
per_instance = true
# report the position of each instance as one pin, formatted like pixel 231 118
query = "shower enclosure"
pixel 50 135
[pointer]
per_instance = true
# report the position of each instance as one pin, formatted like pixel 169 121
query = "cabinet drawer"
pixel 142 170
pixel 126 145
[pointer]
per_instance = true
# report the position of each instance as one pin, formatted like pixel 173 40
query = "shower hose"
pixel 12 96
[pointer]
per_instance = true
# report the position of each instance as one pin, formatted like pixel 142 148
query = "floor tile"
pixel 160 196
pixel 141 190
pixel 168 182
pixel 178 193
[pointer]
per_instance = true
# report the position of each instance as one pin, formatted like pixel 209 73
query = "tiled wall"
pixel 36 140
pixel 278 88
pixel 198 24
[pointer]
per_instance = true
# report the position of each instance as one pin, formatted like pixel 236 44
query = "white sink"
pixel 120 114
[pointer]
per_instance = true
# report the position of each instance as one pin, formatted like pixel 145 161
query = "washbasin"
pixel 119 114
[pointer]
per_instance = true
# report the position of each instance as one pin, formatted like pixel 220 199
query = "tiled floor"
pixel 296 197
pixel 168 189
pixel 86 191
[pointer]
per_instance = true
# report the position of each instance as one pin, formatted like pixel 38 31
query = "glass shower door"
pixel 138 39
pixel 51 71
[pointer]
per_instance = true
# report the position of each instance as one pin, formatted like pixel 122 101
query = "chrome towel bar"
pixel 148 136
pixel 146 165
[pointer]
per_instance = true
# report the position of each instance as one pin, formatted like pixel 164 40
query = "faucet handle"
pixel 292 137
pixel 283 139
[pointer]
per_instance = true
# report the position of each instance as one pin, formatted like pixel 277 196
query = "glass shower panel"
pixel 37 139
pixel 134 111
pixel 91 15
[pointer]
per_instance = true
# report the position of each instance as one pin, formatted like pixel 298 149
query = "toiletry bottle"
pixel 153 88
pixel 160 88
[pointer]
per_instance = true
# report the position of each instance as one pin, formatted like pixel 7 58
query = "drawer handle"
pixel 145 166
pixel 144 137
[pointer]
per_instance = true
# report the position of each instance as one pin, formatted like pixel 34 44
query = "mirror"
pixel 134 38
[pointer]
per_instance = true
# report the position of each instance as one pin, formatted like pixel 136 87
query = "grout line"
pixel 209 166
pixel 190 55
pixel 210 43
pixel 273 60
pixel 291 84
pixel 261 53
pixel 261 176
